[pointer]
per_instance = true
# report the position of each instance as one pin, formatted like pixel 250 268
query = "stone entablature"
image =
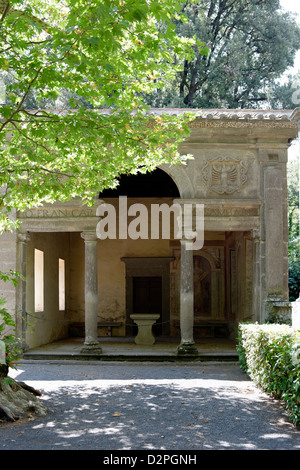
pixel 70 216
pixel 238 214
pixel 58 212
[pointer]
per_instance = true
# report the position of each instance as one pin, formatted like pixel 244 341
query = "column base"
pixel 92 349
pixel 187 349
pixel 22 346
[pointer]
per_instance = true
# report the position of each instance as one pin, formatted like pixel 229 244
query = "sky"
pixel 291 5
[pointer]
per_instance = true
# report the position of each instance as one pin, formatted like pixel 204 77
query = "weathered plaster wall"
pixel 52 323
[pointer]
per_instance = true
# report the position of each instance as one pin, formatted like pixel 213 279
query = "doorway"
pixel 147 298
pixel 148 291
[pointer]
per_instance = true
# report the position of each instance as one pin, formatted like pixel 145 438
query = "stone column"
pixel 256 277
pixel 187 346
pixel 23 239
pixel 91 344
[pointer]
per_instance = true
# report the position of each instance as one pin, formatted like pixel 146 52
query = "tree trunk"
pixel 189 98
pixel 18 400
pixel 3 370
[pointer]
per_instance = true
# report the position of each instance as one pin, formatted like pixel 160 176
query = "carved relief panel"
pixel 225 174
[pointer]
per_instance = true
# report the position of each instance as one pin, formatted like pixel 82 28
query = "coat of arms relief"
pixel 224 175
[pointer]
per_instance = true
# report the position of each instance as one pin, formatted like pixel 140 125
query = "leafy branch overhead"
pixel 104 55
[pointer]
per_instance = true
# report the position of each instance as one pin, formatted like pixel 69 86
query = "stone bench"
pixel 78 329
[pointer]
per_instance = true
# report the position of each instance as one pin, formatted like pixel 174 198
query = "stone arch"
pixel 181 179
pixel 212 261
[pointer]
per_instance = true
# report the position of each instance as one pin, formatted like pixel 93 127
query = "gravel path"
pixel 148 406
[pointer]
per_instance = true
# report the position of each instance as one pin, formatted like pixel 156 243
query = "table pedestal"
pixel 145 322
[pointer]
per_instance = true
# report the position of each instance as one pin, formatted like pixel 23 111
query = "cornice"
pixel 225 114
pixel 232 118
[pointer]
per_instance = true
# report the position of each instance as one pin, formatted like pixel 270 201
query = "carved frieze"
pixel 224 175
pixel 234 124
pixel 231 211
pixel 58 212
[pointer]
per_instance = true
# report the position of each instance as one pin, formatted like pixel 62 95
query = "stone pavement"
pixel 119 349
pixel 145 406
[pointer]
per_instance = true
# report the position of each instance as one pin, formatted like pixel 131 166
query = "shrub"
pixel 269 354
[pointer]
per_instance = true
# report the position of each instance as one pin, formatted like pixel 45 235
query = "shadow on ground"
pixel 146 406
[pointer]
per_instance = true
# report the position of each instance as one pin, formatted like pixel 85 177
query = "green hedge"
pixel 270 355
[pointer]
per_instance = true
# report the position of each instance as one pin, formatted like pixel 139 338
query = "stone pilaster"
pixel 296 304
pixel 276 256
pixel 274 222
pixel 23 239
pixel 91 344
pixel 187 346
pixel 256 277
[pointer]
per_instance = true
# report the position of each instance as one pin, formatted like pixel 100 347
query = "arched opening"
pixel 156 183
pixel 147 260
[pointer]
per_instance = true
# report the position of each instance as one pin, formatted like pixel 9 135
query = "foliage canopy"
pixel 251 44
pixel 105 54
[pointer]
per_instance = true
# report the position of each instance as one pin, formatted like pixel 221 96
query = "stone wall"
pixel 50 324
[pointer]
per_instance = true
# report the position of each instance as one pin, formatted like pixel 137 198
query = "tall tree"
pixel 105 53
pixel 251 43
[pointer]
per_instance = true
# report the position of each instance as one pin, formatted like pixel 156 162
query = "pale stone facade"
pixel 241 273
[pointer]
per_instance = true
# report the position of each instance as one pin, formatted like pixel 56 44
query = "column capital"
pixel 23 237
pixel 255 235
pixel 187 243
pixel 89 236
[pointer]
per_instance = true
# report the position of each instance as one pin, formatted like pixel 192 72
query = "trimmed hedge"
pixel 270 355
